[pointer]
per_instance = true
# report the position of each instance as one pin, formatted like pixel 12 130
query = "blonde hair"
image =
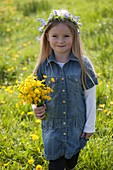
pixel 77 48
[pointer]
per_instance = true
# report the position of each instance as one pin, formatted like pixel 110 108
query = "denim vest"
pixel 66 112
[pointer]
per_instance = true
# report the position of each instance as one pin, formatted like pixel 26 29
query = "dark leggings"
pixel 62 162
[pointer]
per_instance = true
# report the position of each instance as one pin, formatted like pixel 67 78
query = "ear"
pixel 47 35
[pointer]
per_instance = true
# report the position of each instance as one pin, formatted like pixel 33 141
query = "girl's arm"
pixel 90 100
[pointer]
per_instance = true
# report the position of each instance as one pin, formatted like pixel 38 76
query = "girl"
pixel 71 113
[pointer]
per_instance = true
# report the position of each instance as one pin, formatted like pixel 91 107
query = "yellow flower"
pixel 30 113
pixel 3 87
pixel 15 56
pixel 111 102
pixel 38 121
pixel 16 81
pixel 38 149
pixel 24 44
pixel 6 164
pixel 108 113
pixel 52 79
pixel 105 111
pixel 38 167
pixel 8 29
pixel 9 89
pixel 34 91
pixel 29 42
pixel 24 68
pixel 10 69
pixel 2 102
pixel 31 161
pixel 22 113
pixel 102 105
pixel 17 106
pixel 37 91
pixel 5 137
pixel 34 137
pixel 21 102
pixel 44 76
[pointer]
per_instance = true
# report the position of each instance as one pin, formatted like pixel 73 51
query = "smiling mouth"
pixel 60 46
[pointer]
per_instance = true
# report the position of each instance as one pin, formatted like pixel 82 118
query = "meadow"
pixel 21 146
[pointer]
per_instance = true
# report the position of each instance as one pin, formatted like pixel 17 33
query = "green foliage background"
pixel 18 53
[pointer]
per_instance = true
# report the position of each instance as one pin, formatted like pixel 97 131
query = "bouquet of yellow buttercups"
pixel 34 91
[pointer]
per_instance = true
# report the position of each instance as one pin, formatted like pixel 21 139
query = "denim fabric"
pixel 66 112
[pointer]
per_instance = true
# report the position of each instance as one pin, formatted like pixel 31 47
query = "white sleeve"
pixel 33 106
pixel 90 100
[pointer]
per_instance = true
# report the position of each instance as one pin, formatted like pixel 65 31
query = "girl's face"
pixel 60 39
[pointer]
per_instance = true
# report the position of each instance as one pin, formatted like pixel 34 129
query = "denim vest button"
pixel 64 134
pixel 64 113
pixel 64 101
pixel 63 90
pixel 64 123
pixel 62 78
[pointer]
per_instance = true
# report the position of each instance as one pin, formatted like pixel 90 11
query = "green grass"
pixel 20 137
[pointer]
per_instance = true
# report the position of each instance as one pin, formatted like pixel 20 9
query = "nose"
pixel 61 40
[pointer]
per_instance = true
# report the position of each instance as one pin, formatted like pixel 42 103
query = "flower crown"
pixel 60 15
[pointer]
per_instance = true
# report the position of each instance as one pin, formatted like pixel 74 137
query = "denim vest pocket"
pixel 83 141
pixel 80 125
pixel 74 83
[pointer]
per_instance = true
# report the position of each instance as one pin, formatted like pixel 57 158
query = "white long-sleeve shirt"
pixel 90 100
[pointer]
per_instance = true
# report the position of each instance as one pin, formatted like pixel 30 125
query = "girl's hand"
pixel 40 112
pixel 88 135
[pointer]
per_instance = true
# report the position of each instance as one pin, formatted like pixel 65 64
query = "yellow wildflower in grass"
pixel 16 81
pixel 111 102
pixel 31 161
pixel 15 56
pixel 99 74
pixel 29 42
pixel 3 87
pixel 6 164
pixel 34 137
pixel 10 69
pixel 109 112
pixel 38 149
pixel 5 137
pixel 8 29
pixel 9 89
pixel 24 68
pixel 34 91
pixel 17 106
pixel 22 113
pixel 38 167
pixel 30 113
pixel 102 105
pixel 2 102
pixel 24 45
pixel 21 102
pixel 105 111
